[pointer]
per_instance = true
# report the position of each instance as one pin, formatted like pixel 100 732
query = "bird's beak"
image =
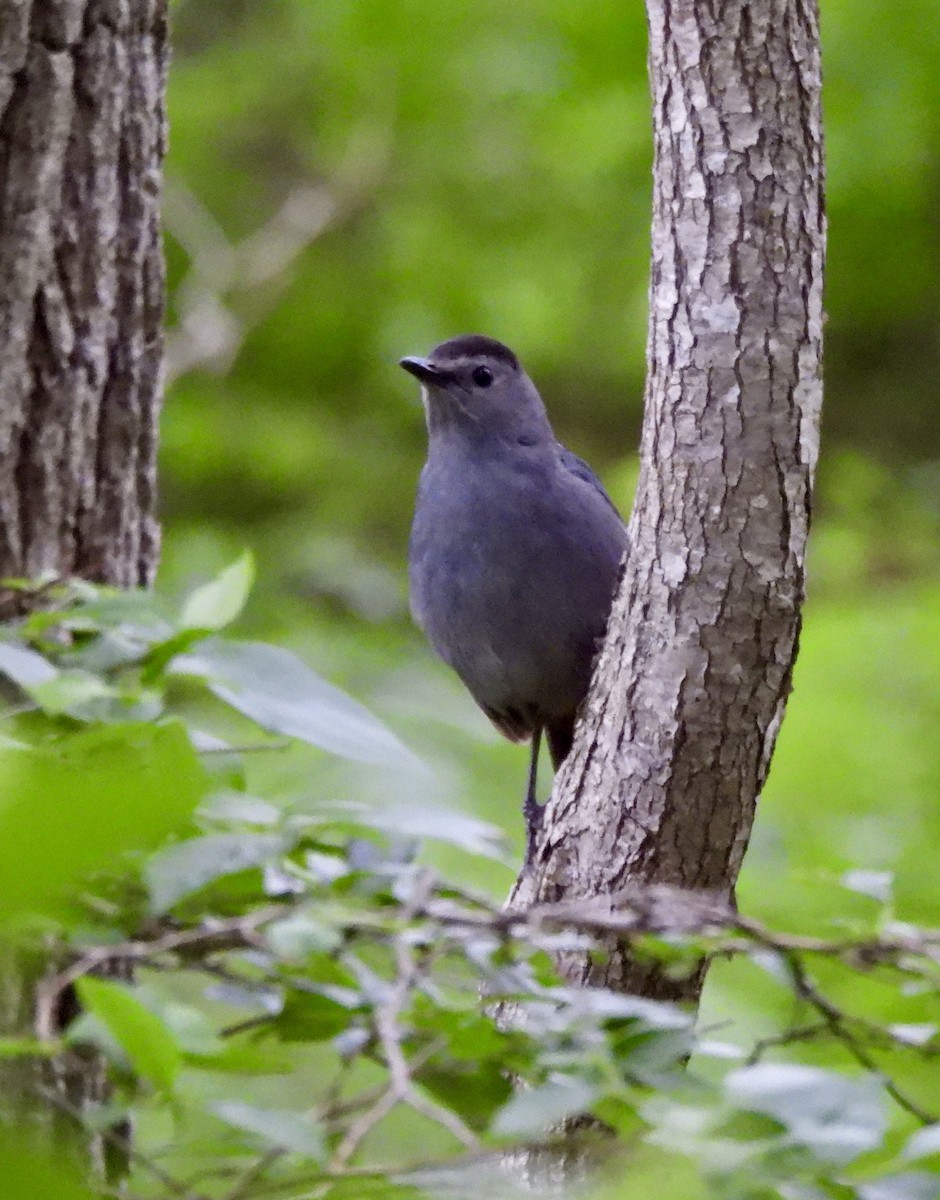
pixel 425 371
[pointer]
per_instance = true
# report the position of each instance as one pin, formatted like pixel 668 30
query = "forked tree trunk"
pixel 690 689
pixel 82 136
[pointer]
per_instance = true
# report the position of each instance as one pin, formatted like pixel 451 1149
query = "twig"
pixel 836 1021
pixel 401 1088
pixel 803 1033
pixel 210 331
pixel 244 1185
pixel 120 1143
pixel 235 933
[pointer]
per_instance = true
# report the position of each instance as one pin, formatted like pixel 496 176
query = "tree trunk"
pixel 690 688
pixel 82 138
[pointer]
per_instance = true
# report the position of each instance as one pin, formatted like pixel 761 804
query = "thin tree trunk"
pixel 691 686
pixel 82 138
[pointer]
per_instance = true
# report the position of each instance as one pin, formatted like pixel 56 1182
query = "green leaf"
pixel 24 666
pixel 535 1110
pixel 217 604
pixel 279 692
pixel 237 808
pixel 76 693
pixel 909 1185
pixel 878 885
pixel 144 1038
pixel 923 1143
pixel 188 866
pixel 300 934
pixel 73 807
pixel 913 1035
pixel 310 1017
pixel 837 1117
pixel 474 1091
pixel 27 1174
pixel 279 1127
pixel 140 614
pixel 441 823
pixel 240 1057
pixel 654 1014
pixel 191 1028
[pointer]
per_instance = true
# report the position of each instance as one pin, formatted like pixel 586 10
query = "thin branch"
pixel 837 1023
pixel 245 1184
pixel 802 1033
pixel 211 938
pixel 120 1143
pixel 401 1088
pixel 212 323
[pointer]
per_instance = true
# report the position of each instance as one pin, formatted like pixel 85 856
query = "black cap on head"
pixel 473 345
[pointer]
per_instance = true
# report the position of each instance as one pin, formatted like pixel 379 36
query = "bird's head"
pixel 474 387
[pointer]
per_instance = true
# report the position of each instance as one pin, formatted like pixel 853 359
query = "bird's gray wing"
pixel 578 467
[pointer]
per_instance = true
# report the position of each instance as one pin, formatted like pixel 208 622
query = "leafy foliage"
pixel 352 182
pixel 314 1007
pixel 348 182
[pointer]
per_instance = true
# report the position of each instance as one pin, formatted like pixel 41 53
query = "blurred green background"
pixel 352 181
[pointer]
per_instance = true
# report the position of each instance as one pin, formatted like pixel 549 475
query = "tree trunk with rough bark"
pixel 82 138
pixel 690 688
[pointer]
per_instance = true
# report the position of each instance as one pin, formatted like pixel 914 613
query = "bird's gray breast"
pixel 513 565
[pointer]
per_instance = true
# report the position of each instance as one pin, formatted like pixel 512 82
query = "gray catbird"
pixel 515 547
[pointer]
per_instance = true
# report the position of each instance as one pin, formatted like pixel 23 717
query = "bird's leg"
pixel 532 809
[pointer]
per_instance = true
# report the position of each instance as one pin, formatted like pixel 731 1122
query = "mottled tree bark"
pixel 690 688
pixel 82 137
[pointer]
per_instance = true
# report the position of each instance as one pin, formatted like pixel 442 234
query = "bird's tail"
pixel 560 735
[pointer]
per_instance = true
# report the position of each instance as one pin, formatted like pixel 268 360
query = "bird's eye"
pixel 482 376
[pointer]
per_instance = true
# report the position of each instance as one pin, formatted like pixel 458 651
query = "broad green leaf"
pixel 310 1017
pixel 77 693
pixel 241 1057
pixel 163 652
pixel 924 1143
pixel 24 666
pixel 909 1185
pixel 537 1109
pixel 217 604
pixel 188 866
pixel 140 614
pixel 277 1126
pixel 27 1175
pixel 837 1117
pixel 86 696
pixel 655 1014
pixel 301 934
pixel 914 1035
pixel 149 1045
pixel 441 823
pixel 237 808
pixel 191 1028
pixel 475 1091
pixel 282 694
pixel 878 885
pixel 202 1046
pixel 74 806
